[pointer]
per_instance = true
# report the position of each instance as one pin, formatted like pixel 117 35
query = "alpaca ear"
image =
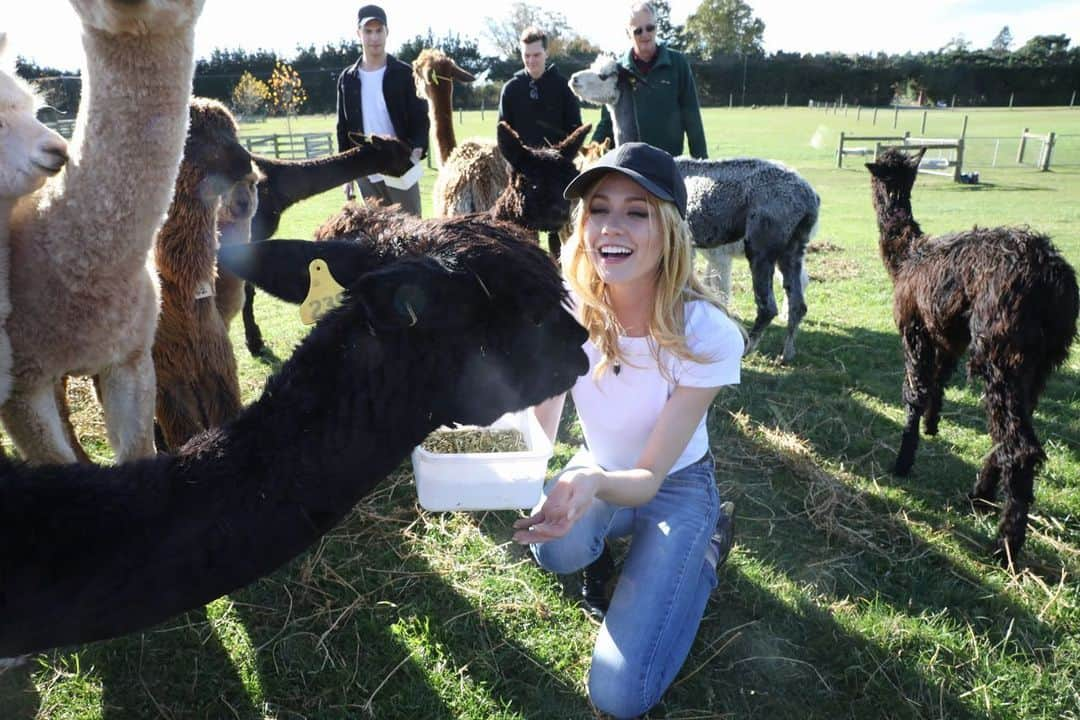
pixel 917 158
pixel 571 145
pixel 420 292
pixel 459 74
pixel 280 267
pixel 510 144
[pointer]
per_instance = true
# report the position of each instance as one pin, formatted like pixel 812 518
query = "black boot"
pixel 594 584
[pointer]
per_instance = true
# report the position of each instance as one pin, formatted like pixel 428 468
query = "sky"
pixel 847 26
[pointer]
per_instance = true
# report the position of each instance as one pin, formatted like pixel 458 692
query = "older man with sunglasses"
pixel 665 96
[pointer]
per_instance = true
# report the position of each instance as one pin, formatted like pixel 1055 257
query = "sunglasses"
pixel 647 28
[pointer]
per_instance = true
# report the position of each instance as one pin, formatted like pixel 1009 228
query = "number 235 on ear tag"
pixel 324 293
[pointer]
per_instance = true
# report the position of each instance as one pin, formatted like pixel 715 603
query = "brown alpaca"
pixel 197 383
pixel 1008 294
pixel 434 74
pixel 84 301
pixel 471 175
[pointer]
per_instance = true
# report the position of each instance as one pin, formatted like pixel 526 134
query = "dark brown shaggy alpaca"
pixel 197 384
pixel 1008 294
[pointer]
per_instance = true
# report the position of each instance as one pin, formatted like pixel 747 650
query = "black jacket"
pixel 408 113
pixel 546 119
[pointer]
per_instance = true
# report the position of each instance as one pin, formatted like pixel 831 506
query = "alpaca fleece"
pixel 197 383
pixel 84 297
pixel 1006 293
pixel 29 153
pixel 474 326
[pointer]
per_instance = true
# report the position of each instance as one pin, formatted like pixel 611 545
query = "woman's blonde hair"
pixel 676 284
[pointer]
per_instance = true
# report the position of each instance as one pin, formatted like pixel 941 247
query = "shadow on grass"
pixel 862 557
pixel 364 624
pixel 19 697
pixel 872 362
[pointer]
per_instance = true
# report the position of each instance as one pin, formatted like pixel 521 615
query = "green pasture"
pixel 850 593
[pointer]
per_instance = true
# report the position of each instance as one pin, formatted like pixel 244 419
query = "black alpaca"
pixel 1008 294
pixel 533 200
pixel 286 182
pixel 473 327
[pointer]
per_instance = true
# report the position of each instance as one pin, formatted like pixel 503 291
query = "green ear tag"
pixel 324 293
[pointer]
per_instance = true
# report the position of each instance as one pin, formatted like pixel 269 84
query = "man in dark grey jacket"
pixel 376 95
pixel 537 101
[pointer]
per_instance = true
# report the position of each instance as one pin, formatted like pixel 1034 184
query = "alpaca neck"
pixel 897 227
pixel 125 151
pixel 442 119
pixel 624 122
pixel 233 505
pixel 291 181
pixel 185 249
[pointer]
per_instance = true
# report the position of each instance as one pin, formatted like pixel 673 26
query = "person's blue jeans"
pixel 661 593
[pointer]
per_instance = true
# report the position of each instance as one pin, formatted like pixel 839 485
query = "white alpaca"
pixel 84 301
pixel 29 153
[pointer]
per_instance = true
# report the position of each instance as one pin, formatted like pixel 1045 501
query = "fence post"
pixel 1072 100
pixel 1048 147
pixel 730 100
pixel 922 131
pixel 953 100
pixel 461 115
pixel 1020 150
pixel 1011 96
pixel 875 116
pixel 959 160
pixel 277 146
pixel 963 128
pixel 896 116
pixel 858 112
pixel 785 98
pixel 840 152
pixel 841 98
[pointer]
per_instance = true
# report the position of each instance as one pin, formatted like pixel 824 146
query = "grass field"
pixel 850 593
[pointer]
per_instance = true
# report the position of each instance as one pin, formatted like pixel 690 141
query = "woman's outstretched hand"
pixel 565 504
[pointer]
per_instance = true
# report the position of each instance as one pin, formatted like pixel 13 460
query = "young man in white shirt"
pixel 376 96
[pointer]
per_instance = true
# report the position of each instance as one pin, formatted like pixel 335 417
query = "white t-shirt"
pixel 373 107
pixel 618 412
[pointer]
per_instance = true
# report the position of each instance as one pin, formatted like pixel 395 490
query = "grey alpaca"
pixel 767 207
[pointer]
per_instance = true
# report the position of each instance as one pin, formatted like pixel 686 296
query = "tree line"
pixel 723 41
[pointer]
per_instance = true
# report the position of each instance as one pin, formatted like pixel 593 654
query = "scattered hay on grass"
pixel 830 503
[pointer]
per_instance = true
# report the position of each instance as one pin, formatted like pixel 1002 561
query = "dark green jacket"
pixel 666 104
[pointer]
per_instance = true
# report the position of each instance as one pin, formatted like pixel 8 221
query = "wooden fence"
pixel 290 147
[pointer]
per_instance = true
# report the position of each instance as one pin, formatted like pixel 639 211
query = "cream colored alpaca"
pixel 29 153
pixel 238 206
pixel 84 300
pixel 473 174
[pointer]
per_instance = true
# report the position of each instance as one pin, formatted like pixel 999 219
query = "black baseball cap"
pixel 650 167
pixel 370 12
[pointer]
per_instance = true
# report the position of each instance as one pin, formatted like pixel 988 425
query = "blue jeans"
pixel 661 593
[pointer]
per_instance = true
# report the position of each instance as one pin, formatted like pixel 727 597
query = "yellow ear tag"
pixel 324 293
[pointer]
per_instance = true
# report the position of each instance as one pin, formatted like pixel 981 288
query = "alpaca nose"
pixel 52 158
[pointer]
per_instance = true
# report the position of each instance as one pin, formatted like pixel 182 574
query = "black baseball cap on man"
pixel 650 167
pixel 370 12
